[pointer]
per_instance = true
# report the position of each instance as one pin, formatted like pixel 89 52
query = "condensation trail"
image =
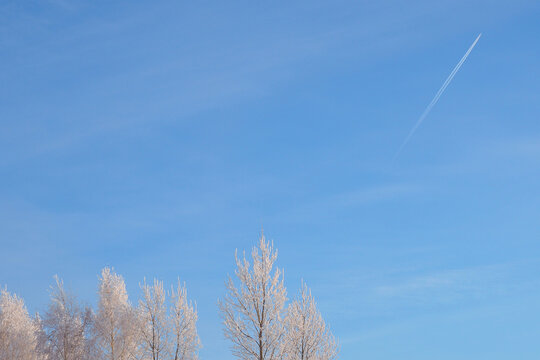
pixel 437 96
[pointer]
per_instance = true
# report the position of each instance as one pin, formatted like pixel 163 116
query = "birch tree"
pixel 42 343
pixel 308 337
pixel 18 333
pixel 183 315
pixel 116 322
pixel 153 321
pixel 253 310
pixel 67 326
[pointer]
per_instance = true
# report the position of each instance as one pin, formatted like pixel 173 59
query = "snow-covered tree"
pixel 116 323
pixel 153 321
pixel 42 343
pixel 18 333
pixel 67 327
pixel 253 311
pixel 183 317
pixel 308 337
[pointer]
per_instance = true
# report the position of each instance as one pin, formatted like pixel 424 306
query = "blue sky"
pixel 158 137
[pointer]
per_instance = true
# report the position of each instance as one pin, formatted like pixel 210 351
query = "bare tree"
pixel 253 311
pixel 67 326
pixel 153 321
pixel 308 337
pixel 116 323
pixel 183 318
pixel 18 333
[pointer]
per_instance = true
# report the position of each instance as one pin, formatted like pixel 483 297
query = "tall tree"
pixel 253 311
pixel 18 333
pixel 42 342
pixel 116 323
pixel 183 315
pixel 153 320
pixel 308 337
pixel 67 326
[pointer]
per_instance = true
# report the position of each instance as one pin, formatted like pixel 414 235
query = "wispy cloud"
pixel 410 289
pixel 428 299
pixel 176 84
pixel 496 156
pixel 448 286
pixel 335 204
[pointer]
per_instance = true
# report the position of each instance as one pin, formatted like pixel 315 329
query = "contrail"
pixel 437 96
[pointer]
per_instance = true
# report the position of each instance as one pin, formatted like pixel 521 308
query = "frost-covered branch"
pixel 253 310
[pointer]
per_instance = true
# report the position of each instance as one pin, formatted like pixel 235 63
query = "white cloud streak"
pixel 437 96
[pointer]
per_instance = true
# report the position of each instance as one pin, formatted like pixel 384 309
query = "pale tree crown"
pixel 18 332
pixel 253 310
pixel 308 336
pixel 168 330
pixel 183 317
pixel 153 318
pixel 65 330
pixel 116 321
